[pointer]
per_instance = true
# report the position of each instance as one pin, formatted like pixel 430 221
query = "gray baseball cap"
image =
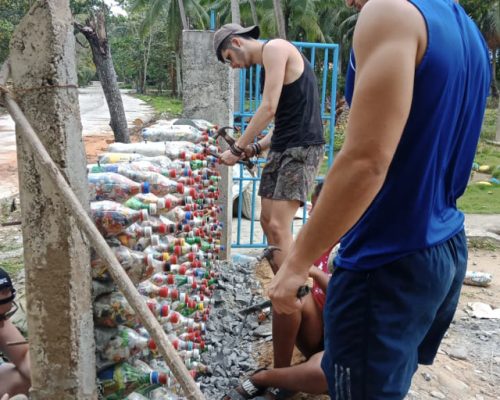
pixel 232 29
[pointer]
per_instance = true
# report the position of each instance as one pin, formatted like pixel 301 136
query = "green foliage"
pixel 11 12
pixel 489 124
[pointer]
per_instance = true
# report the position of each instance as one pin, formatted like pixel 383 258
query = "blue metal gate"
pixel 324 60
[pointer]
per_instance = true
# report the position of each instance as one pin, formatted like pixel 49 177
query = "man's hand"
pixel 228 158
pixel 284 286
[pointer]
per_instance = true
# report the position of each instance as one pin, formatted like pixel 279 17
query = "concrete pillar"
pixel 208 94
pixel 56 254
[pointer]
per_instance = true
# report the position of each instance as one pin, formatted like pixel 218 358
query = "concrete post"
pixel 208 94
pixel 56 254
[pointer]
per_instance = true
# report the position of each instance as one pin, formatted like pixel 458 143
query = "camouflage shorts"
pixel 289 175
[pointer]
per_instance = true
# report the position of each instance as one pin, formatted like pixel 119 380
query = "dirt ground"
pixel 468 364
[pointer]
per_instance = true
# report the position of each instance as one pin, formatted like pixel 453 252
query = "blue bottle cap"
pixel 145 187
pixel 154 378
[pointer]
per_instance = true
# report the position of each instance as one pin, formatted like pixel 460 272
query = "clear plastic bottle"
pixel 137 265
pixel 122 379
pixel 113 186
pixel 112 310
pixel 112 218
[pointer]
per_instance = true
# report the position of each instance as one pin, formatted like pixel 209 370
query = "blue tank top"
pixel 416 206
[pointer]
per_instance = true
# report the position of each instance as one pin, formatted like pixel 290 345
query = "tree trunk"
pixel 255 18
pixel 235 12
pixel 280 19
pixel 178 73
pixel 183 14
pixel 147 52
pixel 494 87
pixel 94 31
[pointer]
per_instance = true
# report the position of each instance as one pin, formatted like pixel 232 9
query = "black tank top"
pixel 297 122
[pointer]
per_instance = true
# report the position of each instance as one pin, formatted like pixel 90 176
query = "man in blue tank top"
pixel 417 84
pixel 290 97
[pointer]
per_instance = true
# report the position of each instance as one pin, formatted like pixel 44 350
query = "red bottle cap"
pixel 178 250
pixel 194 285
pixel 152 345
pixel 175 343
pixel 163 292
pixel 182 270
pixel 174 317
pixel 163 378
pixel 168 204
pixel 172 173
pixel 174 294
pixel 182 155
pixel 170 279
pixel 165 310
pixel 173 259
pixel 180 188
pixel 162 229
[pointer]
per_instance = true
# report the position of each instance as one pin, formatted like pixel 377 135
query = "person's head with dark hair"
pixel 7 295
pixel 315 195
pixel 229 43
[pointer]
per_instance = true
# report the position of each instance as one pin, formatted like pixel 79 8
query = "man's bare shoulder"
pixel 279 46
pixel 390 15
pixel 380 20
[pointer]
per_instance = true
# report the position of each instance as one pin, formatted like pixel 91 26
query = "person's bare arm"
pixel 319 277
pixel 385 43
pixel 17 354
pixel 274 57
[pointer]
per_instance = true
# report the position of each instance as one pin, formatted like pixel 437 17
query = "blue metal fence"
pixel 324 60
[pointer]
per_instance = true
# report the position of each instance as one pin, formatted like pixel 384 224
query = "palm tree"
pixel 280 18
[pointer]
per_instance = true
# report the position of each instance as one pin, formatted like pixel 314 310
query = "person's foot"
pixel 246 390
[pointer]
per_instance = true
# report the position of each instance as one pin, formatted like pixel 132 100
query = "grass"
pixel 12 265
pixel 489 124
pixel 480 200
pixel 170 106
pixel 482 244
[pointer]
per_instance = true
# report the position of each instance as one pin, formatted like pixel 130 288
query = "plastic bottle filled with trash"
pixel 112 218
pixel 113 186
pixel 149 289
pixel 112 310
pixel 137 265
pixel 121 379
pixel 175 321
pixel 173 133
pixel 178 214
pixel 113 158
pixel 171 149
pixel 474 278
pixel 159 308
pixel 126 344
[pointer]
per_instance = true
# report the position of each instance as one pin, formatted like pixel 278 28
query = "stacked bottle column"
pixel 155 203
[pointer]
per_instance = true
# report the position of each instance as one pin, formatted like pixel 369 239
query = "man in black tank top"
pixel 290 97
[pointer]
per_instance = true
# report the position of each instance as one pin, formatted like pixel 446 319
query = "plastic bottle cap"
pixel 165 310
pixel 172 173
pixel 155 240
pixel 182 270
pixel 174 317
pixel 144 215
pixel 170 279
pixel 180 188
pixel 163 292
pixel 175 294
pixel 145 187
pixel 152 345
pixel 152 209
pixel 162 229
pixel 175 343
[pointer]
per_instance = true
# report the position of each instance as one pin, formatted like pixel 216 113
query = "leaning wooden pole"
pixel 84 222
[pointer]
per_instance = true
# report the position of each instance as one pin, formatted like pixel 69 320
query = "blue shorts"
pixel 380 324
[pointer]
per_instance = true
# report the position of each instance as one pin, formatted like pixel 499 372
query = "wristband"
pixel 235 151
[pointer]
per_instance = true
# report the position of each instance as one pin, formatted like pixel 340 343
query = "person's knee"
pixel 276 230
